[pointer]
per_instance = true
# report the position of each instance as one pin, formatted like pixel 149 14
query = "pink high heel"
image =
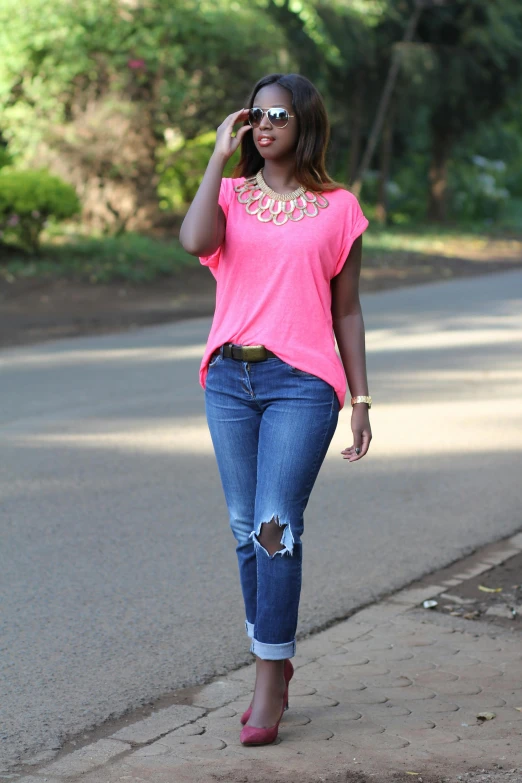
pixel 253 735
pixel 288 673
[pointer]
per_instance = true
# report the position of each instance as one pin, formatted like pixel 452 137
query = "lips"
pixel 265 139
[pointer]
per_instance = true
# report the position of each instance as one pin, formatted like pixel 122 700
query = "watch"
pixel 362 398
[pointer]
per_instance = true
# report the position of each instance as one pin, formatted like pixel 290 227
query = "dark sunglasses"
pixel 277 116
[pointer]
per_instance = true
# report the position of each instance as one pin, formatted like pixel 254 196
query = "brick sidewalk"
pixel 391 694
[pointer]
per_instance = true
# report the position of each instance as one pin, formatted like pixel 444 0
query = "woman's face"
pixel 284 139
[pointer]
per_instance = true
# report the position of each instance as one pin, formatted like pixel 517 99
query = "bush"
pixel 28 199
pixel 477 187
pixel 181 167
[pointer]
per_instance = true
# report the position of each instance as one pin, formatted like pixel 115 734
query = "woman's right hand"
pixel 226 144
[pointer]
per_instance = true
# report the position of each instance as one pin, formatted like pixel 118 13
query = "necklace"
pixel 259 199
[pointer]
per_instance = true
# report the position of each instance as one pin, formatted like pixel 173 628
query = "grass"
pixel 130 257
pixel 135 258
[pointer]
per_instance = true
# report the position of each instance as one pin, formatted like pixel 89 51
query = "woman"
pixel 283 241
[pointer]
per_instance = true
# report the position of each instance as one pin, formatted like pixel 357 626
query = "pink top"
pixel 273 283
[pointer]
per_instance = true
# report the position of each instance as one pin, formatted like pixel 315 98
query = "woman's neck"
pixel 279 175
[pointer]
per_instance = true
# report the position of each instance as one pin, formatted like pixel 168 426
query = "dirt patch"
pixel 35 310
pixel 495 596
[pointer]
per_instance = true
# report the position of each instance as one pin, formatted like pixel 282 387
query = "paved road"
pixel 117 569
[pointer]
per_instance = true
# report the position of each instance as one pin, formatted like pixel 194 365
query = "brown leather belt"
pixel 245 353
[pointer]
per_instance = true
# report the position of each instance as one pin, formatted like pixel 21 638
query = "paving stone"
pixel 368 696
pixel 318 670
pixel 387 710
pixel 158 723
pixel 500 556
pixel 353 732
pixel 433 678
pixel 380 612
pixel 301 689
pixel 339 690
pixel 455 662
pixel 480 672
pixel 292 718
pixel 428 736
pixel 317 700
pixel 367 670
pixel 147 768
pixel 155 749
pixel 316 647
pixel 305 734
pixel 343 712
pixel 412 693
pixel 414 667
pixel 383 741
pixel 348 631
pixel 390 681
pixel 479 645
pixel 87 758
pixel 401 723
pixel 393 654
pixel 367 646
pixel 427 707
pixel 299 660
pixel 201 742
pixel 343 658
pixel 458 688
pixel 222 712
pixel 218 693
pixel 472 571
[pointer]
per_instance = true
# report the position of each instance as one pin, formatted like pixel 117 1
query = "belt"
pixel 246 353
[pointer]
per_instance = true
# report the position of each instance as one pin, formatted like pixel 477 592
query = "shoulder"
pixel 342 196
pixel 230 182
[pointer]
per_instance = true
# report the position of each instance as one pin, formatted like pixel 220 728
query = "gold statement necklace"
pixel 268 205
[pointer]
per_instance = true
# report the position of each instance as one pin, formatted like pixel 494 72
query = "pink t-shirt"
pixel 273 283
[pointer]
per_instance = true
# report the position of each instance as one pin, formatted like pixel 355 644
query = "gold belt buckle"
pixel 254 353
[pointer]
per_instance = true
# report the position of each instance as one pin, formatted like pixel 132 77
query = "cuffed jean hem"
pixel 273 652
pixel 249 629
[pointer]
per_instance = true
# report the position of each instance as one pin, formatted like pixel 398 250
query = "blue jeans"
pixel 271 425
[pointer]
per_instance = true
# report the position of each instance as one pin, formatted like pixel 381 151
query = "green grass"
pixel 130 257
pixel 135 258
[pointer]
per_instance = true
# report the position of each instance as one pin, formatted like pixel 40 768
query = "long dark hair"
pixel 314 134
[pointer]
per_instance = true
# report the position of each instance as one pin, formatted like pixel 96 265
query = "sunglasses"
pixel 277 116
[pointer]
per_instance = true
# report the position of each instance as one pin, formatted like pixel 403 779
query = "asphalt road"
pixel 118 579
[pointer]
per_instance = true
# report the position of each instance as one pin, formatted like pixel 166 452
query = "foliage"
pixel 28 199
pixel 122 99
pixel 130 257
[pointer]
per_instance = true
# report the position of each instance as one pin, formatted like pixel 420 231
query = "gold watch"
pixel 362 398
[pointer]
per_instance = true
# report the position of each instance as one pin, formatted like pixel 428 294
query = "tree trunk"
pixel 438 173
pixel 386 95
pixel 356 125
pixel 381 210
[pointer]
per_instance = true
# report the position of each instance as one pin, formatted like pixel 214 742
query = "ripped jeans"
pixel 271 425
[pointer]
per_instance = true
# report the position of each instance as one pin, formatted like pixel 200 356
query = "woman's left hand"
pixel 362 433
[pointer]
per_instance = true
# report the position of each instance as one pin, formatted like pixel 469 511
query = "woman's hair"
pixel 313 138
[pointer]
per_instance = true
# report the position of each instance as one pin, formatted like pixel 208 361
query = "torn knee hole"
pixel 271 535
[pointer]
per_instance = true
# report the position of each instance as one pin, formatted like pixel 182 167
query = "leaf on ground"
pixel 490 589
pixel 486 715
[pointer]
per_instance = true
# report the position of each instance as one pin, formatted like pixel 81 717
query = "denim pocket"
pixel 215 360
pixel 302 373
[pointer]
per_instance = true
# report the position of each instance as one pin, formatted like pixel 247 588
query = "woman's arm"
pixel 203 228
pixel 348 326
